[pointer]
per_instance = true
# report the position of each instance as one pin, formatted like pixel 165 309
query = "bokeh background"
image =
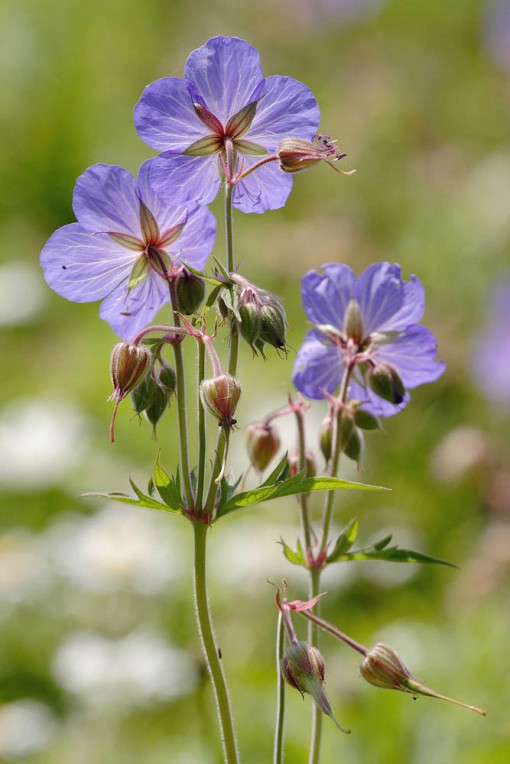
pixel 99 659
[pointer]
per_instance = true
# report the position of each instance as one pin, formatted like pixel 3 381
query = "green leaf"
pixel 280 472
pixel 392 554
pixel 296 558
pixel 212 297
pixel 141 501
pixel 225 274
pixel 168 488
pixel 229 297
pixel 201 275
pixel 292 486
pixel 345 540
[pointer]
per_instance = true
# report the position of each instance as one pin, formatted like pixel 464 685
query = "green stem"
pixel 335 462
pixel 202 440
pixel 234 346
pixel 210 648
pixel 305 516
pixel 313 638
pixel 280 685
pixel 181 402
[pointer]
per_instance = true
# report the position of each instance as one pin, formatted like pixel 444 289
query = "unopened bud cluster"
pixel 153 395
pixel 260 315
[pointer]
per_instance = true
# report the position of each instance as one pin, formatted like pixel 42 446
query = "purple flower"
pixel 491 356
pixel 224 116
pixel 497 32
pixel 124 242
pixel 370 323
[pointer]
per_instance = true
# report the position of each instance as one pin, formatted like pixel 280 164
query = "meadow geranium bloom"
pixel 371 324
pixel 224 116
pixel 122 246
pixel 490 359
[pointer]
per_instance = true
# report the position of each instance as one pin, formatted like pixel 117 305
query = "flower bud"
pixel 383 668
pixel 190 292
pixel 157 406
pixel 303 668
pixel 296 154
pixel 251 322
pixel 220 395
pixel 272 329
pixel 128 365
pixel 310 464
pixel 262 443
pixel 365 420
pixel 353 445
pixel 386 383
pixel 167 378
pixel 326 438
pixel 353 323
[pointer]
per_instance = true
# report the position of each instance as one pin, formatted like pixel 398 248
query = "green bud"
pixel 143 393
pixel 220 396
pixel 167 378
pixel 353 445
pixel 157 406
pixel 128 365
pixel 366 421
pixel 272 328
pixel 386 383
pixel 262 443
pixel 251 321
pixel 190 292
pixel 303 668
pixel 326 438
pixel 353 324
pixel 346 424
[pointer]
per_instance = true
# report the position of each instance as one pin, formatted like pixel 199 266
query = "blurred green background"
pixel 99 659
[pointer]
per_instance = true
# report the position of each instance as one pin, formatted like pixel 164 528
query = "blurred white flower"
pixel 136 670
pixel 26 727
pixel 118 547
pixel 22 293
pixel 461 451
pixel 40 441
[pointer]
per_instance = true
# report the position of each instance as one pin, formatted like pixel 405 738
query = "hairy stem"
pixel 280 694
pixel 181 402
pixel 210 648
pixel 202 439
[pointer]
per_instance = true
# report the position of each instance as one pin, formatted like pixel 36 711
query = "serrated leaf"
pixel 201 275
pixel 224 273
pixel 290 487
pixel 393 554
pixel 279 473
pixel 345 540
pixel 383 543
pixel 124 498
pixel 167 488
pixel 296 558
pixel 212 297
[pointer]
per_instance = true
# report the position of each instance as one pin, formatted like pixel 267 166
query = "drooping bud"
pixel 262 443
pixel 296 154
pixel 353 323
pixel 310 464
pixel 303 668
pixel 151 396
pixel 251 322
pixel 190 292
pixel 167 378
pixel 326 438
pixel 386 383
pixel 353 445
pixel 272 327
pixel 220 395
pixel 383 668
pixel 365 420
pixel 157 406
pixel 128 365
